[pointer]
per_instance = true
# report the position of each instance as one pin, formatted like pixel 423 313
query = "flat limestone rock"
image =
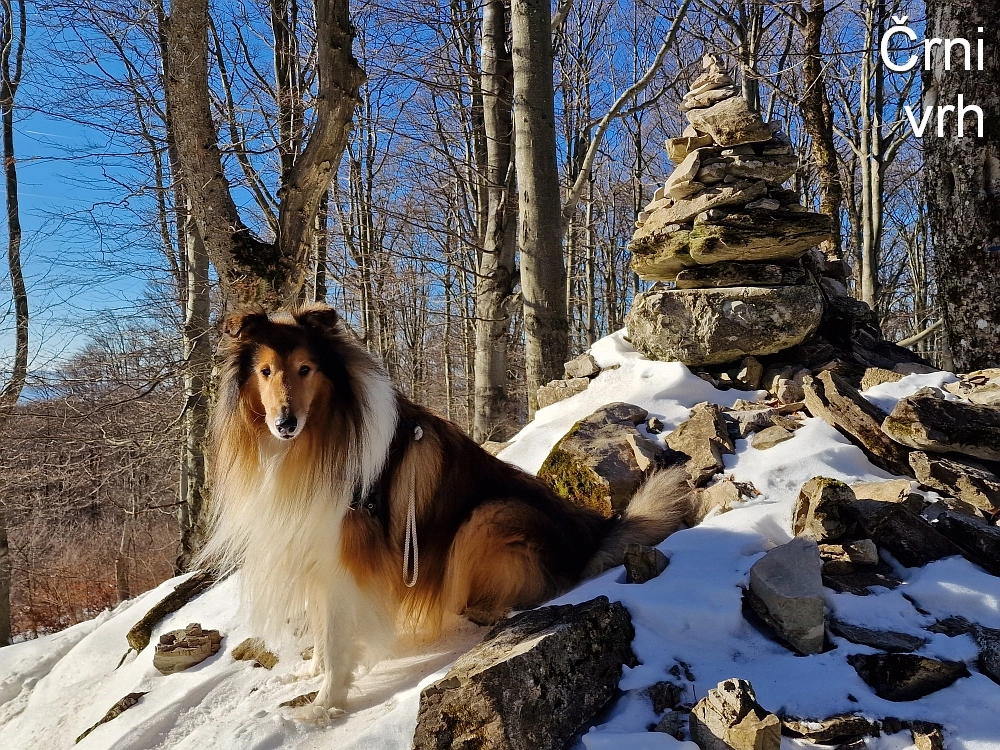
pixel 911 539
pixel 738 273
pixel 683 175
pixel 905 677
pixel 533 683
pixel 718 196
pixel 729 718
pixel 730 122
pixel 860 579
pixel 979 541
pixel 253 649
pixel 820 509
pixel 182 649
pixel 889 491
pixel 715 326
pixel 594 465
pixel 774 169
pixel 825 731
pixel 886 640
pixel 877 376
pixel 787 581
pixel 560 390
pixel 756 235
pixel 679 148
pixel 966 481
pixel 582 366
pixel 722 496
pixel 662 254
pixel 704 437
pixel 933 424
pixel 838 403
pixel 858 552
pixel 770 437
pixel 979 387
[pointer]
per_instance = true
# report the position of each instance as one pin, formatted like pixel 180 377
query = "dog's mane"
pixel 343 446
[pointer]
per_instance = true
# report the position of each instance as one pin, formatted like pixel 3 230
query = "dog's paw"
pixel 331 696
pixel 316 715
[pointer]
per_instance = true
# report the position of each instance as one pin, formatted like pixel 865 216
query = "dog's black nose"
pixel 285 425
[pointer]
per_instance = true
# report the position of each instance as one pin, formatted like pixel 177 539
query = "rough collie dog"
pixel 351 512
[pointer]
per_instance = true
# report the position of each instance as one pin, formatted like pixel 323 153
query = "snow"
pixel 53 688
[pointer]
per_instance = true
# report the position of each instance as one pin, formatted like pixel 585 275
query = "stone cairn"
pixel 729 236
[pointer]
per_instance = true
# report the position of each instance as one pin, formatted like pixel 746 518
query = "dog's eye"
pixel 304 370
pixel 265 371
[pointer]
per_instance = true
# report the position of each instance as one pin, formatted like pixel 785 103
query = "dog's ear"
pixel 242 325
pixel 318 316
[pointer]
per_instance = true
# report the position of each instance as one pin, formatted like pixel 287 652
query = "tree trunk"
pixel 12 37
pixel 817 116
pixel 250 270
pixel 197 377
pixel 495 281
pixel 962 180
pixel 543 275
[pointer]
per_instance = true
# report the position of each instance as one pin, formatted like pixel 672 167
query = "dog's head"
pixel 281 364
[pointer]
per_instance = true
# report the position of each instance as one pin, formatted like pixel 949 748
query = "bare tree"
pixel 817 117
pixel 543 272
pixel 249 268
pixel 962 177
pixel 495 279
pixel 13 32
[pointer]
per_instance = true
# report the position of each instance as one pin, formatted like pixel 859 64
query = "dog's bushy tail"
pixel 656 511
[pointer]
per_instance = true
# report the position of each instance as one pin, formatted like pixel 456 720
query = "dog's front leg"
pixel 339 657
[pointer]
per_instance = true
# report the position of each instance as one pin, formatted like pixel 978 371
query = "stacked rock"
pixel 730 236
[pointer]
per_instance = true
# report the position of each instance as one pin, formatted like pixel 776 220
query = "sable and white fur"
pixel 307 425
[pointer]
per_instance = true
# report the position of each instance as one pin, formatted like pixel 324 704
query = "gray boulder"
pixel 911 539
pixel 930 423
pixel 582 366
pixel 786 591
pixel 704 437
pixel 595 464
pixel 534 681
pixel 730 123
pixel 964 480
pixel 905 677
pixel 820 509
pixel 715 326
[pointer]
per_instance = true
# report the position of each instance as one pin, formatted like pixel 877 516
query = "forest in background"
pixel 102 462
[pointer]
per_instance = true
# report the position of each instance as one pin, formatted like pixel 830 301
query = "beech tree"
pixel 543 271
pixel 13 32
pixel 962 179
pixel 252 269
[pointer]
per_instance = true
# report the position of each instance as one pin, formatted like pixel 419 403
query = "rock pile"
pixel 729 235
pixel 181 649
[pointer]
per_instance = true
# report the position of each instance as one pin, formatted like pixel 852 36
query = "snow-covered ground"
pixel 54 688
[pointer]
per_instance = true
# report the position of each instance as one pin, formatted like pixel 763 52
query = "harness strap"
pixel 410 535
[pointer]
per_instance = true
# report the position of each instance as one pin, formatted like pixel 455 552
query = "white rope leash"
pixel 411 524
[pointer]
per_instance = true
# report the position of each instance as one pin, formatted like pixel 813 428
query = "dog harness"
pixel 375 501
